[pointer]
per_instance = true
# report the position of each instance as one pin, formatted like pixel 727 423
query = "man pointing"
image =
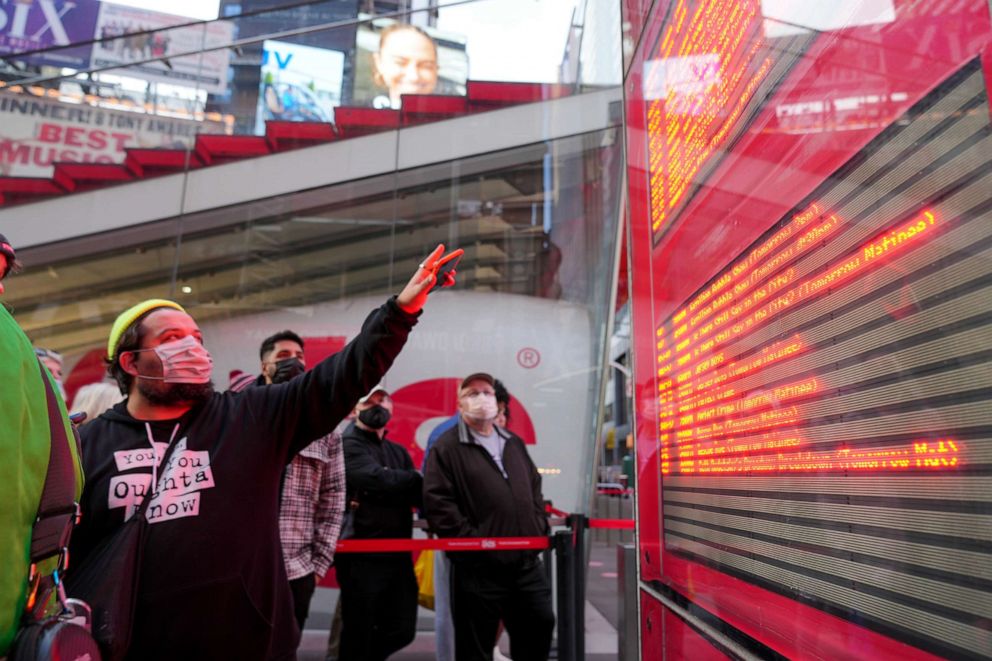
pixel 213 584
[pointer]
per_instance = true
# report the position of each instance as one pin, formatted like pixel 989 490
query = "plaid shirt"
pixel 312 507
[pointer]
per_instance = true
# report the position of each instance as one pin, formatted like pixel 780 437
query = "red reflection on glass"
pixel 699 82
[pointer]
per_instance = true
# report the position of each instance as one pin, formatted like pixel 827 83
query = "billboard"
pixel 448 70
pixel 42 24
pixel 298 83
pixel 36 132
pixel 206 71
pixel 241 99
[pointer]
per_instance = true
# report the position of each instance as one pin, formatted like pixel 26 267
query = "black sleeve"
pixel 444 516
pixel 366 476
pixel 309 406
pixel 415 494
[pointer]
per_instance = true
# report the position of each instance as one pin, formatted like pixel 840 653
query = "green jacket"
pixel 25 445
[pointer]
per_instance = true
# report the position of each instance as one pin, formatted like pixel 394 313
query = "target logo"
pixel 528 358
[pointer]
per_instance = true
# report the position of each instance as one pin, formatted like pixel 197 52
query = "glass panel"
pixel 133 80
pixel 538 227
pixel 538 223
pixel 69 304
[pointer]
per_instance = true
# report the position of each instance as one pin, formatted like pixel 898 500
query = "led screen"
pixel 825 400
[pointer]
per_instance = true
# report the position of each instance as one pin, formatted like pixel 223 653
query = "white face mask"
pixel 481 406
pixel 183 361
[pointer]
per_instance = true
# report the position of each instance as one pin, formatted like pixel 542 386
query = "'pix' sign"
pixel 48 25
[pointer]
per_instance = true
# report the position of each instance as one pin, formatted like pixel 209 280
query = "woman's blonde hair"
pixel 95 398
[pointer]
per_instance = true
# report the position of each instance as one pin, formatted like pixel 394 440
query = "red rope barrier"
pixel 471 543
pixel 615 492
pixel 612 524
pixel 451 544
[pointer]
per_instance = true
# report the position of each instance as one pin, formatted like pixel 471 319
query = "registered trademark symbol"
pixel 528 358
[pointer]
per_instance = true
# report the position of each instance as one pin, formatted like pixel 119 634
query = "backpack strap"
pixel 58 508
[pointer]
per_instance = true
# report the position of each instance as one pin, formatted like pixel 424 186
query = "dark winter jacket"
pixel 466 495
pixel 382 480
pixel 213 584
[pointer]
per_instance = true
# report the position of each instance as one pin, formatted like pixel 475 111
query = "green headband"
pixel 129 316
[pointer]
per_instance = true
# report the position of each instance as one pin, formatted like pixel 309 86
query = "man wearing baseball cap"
pixel 31 415
pixel 479 481
pixel 213 583
pixel 378 590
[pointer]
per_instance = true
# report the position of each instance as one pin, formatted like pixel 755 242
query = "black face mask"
pixel 286 369
pixel 375 417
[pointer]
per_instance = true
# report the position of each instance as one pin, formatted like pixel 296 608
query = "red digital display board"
pixel 811 276
pixel 710 421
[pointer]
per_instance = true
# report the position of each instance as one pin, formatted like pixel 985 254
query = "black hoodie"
pixel 213 584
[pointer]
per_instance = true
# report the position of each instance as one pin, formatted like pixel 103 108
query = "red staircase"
pixel 215 149
pixel 78 177
pixel 353 121
pixel 282 135
pixel 488 95
pixel 14 190
pixel 145 163
pixel 423 108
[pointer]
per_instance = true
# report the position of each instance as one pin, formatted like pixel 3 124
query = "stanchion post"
pixel 546 556
pixel 579 523
pixel 565 593
pixel 629 618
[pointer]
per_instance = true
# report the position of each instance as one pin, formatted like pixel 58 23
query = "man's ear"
pixel 126 360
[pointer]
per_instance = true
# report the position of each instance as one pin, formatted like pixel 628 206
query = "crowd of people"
pixel 244 494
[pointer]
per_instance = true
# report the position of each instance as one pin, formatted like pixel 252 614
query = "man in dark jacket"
pixel 213 584
pixel 378 590
pixel 480 482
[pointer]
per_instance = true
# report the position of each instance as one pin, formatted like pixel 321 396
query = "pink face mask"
pixel 183 361
pixel 481 406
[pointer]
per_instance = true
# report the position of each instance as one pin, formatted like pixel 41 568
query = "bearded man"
pixel 213 584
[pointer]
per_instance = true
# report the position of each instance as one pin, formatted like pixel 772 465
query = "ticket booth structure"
pixel 810 236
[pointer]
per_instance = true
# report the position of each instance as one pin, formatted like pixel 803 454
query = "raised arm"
pixel 310 405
